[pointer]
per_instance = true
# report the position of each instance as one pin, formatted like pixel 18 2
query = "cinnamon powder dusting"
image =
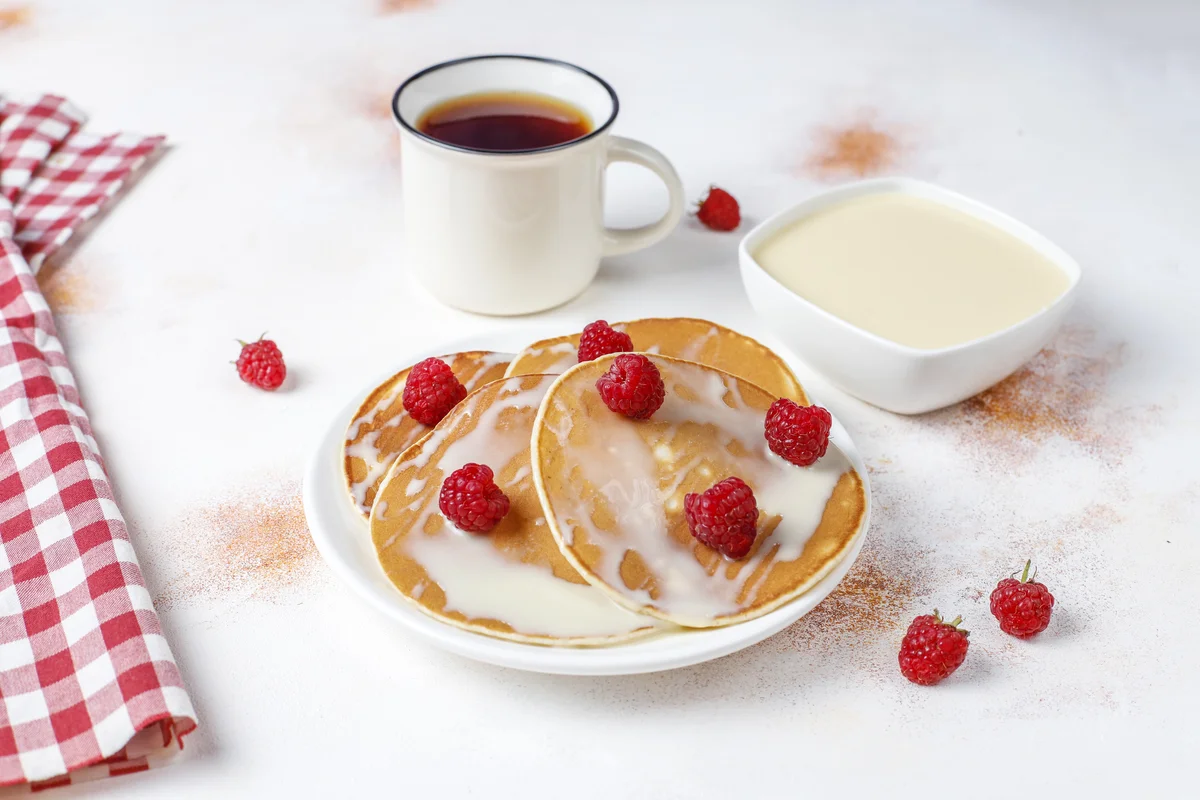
pixel 253 547
pixel 15 17
pixel 1061 392
pixel 875 600
pixel 869 603
pixel 399 6
pixel 374 105
pixel 379 107
pixel 68 291
pixel 858 150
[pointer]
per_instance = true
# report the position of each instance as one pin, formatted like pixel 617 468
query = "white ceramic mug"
pixel 513 232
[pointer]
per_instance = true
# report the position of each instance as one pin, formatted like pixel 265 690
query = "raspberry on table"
pixel 471 500
pixel 1022 606
pixel 932 649
pixel 600 339
pixel 431 390
pixel 261 364
pixel 633 386
pixel 796 433
pixel 719 211
pixel 724 517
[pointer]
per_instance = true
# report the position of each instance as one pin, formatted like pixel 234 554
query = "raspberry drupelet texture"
pixel 599 339
pixel 799 434
pixel 431 390
pixel 1022 606
pixel 471 499
pixel 932 649
pixel 633 386
pixel 719 211
pixel 261 364
pixel 725 517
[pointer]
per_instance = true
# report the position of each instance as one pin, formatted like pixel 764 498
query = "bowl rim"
pixel 929 191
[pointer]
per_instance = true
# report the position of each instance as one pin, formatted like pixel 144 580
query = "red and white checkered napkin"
pixel 88 685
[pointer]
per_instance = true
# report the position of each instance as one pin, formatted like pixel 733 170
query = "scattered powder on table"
pixel 858 150
pixel 868 604
pixel 400 6
pixel 871 602
pixel 1061 392
pixel 925 549
pixel 901 570
pixel 68 289
pixel 372 104
pixel 1069 554
pixel 15 17
pixel 1064 547
pixel 253 545
pixel 379 106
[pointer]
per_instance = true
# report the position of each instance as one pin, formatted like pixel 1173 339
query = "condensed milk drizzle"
pixel 566 356
pixel 626 468
pixel 367 448
pixel 484 366
pixel 477 579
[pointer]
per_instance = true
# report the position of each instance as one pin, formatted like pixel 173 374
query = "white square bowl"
pixel 903 379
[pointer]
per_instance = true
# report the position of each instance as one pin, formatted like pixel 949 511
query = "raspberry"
pixel 799 434
pixel 599 339
pixel 633 386
pixel 472 500
pixel 725 517
pixel 431 390
pixel 1022 606
pixel 261 364
pixel 932 649
pixel 719 211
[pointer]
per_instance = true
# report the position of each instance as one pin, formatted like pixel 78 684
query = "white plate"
pixel 343 539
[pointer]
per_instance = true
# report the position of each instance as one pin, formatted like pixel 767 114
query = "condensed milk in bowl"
pixel 904 294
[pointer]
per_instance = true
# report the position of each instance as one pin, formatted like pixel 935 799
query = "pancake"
pixel 511 583
pixel 679 337
pixel 381 429
pixel 613 491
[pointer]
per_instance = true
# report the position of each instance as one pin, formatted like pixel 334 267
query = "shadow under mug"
pixel 514 232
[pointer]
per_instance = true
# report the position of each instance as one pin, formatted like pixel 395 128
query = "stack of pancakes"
pixel 595 549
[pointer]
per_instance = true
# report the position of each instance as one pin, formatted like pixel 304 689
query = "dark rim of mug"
pixel 599 129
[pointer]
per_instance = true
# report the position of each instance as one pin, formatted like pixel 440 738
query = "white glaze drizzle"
pixel 566 356
pixel 486 362
pixel 367 449
pixel 476 578
pixel 623 468
pixel 694 347
pixel 480 582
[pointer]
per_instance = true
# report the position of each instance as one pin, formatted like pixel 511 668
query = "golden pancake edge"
pixel 679 337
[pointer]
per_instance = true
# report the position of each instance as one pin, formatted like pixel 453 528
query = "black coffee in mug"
pixel 504 121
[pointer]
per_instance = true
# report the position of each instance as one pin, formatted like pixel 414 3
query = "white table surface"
pixel 278 208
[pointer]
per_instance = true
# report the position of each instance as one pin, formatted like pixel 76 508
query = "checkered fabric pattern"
pixel 88 685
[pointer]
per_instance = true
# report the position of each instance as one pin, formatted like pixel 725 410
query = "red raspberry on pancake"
pixel 431 390
pixel 471 499
pixel 725 517
pixel 600 339
pixel 633 386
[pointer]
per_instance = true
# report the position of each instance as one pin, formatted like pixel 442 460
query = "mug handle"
pixel 618 241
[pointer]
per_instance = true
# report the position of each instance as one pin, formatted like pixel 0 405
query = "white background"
pixel 277 208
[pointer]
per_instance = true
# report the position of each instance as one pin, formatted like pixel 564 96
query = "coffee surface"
pixel 504 121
